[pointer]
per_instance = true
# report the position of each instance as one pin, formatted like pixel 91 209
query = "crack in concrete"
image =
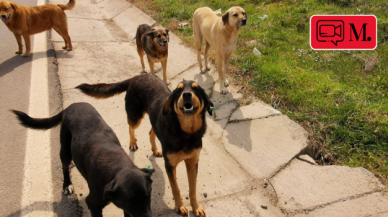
pixel 321 206
pixel 251 119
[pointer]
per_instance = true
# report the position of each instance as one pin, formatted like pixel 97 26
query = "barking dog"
pixel 93 146
pixel 177 119
pixel 26 21
pixel 154 42
pixel 220 33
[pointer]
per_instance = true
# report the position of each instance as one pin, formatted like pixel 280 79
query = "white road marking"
pixel 37 194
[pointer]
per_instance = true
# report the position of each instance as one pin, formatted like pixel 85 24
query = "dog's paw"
pixel 168 82
pixel 25 55
pixel 64 47
pixel 199 212
pixel 68 190
pixel 133 147
pixel 182 210
pixel 223 89
pixel 203 70
pixel 69 49
pixel 18 52
pixel 158 153
pixel 226 83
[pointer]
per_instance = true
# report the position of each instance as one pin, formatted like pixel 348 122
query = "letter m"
pixel 363 29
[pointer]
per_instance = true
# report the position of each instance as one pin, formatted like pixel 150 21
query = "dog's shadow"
pixel 16 61
pixel 68 206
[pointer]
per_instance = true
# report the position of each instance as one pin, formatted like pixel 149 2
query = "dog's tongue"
pixel 5 20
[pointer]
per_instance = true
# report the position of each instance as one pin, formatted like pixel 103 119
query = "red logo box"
pixel 343 32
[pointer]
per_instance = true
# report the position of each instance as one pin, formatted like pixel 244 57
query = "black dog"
pixel 93 146
pixel 177 118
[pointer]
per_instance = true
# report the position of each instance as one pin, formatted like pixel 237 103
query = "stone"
pixel 253 111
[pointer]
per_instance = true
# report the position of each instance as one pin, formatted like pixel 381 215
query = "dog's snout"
pixel 165 41
pixel 187 95
pixel 244 21
pixel 3 16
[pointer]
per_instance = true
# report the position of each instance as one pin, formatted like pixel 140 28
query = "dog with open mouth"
pixel 154 43
pixel 24 21
pixel 177 119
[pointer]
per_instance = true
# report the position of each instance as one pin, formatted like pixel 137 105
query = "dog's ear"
pixel 13 5
pixel 208 104
pixel 166 106
pixel 167 30
pixel 151 34
pixel 225 17
pixel 109 192
pixel 148 171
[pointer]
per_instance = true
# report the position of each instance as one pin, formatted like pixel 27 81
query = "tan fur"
pixel 132 138
pixel 25 21
pixel 220 33
pixel 194 85
pixel 191 160
pixel 180 86
pixel 190 124
pixel 154 148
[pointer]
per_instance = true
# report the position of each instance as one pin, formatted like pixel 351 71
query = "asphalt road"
pixel 15 77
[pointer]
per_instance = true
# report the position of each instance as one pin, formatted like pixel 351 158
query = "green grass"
pixel 340 97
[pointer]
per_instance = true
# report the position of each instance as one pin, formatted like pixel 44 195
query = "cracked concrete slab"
pixel 112 8
pixel 369 205
pixel 225 110
pixel 130 19
pixel 254 111
pixel 83 9
pixel 220 99
pixel 303 186
pixel 263 146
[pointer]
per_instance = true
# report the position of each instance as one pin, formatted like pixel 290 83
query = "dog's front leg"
pixel 225 69
pixel 20 44
pixel 27 41
pixel 192 170
pixel 95 210
pixel 164 66
pixel 171 173
pixel 151 64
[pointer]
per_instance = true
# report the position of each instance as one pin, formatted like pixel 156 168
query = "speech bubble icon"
pixel 330 31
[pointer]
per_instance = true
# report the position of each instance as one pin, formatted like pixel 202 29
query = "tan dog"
pixel 154 42
pixel 220 33
pixel 26 21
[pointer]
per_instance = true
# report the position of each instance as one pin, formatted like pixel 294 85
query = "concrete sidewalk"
pixel 250 164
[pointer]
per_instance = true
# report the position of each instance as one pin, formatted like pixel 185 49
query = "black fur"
pixel 96 151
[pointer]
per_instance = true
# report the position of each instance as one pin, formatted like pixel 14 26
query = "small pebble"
pixel 264 207
pixel 205 195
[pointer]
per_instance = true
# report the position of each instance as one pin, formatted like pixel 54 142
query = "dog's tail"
pixel 38 123
pixel 103 90
pixel 67 6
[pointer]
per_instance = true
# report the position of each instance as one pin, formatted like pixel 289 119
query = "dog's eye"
pixel 235 15
pixel 243 13
pixel 158 36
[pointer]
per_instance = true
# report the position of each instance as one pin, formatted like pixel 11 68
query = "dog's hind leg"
pixel 133 125
pixel 65 35
pixel 207 67
pixel 192 170
pixel 66 159
pixel 20 44
pixel 198 46
pixel 155 149
pixel 27 41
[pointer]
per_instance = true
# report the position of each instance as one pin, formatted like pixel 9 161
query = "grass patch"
pixel 340 97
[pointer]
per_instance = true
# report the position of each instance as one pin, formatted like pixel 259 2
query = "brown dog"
pixel 26 21
pixel 220 33
pixel 154 42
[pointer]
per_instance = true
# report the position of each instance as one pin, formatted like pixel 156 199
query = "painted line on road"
pixel 37 194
